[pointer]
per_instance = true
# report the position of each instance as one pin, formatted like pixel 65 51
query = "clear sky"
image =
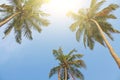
pixel 32 60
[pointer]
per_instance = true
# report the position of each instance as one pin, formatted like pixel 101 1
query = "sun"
pixel 63 6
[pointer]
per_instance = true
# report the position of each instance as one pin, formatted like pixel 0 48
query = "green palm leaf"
pixel 53 71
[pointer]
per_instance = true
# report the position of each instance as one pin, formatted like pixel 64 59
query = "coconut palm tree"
pixel 22 16
pixel 92 24
pixel 68 65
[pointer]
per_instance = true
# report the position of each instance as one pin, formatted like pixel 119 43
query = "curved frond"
pixel 81 63
pixel 35 25
pixel 54 71
pixel 74 26
pixel 73 15
pixel 18 36
pixel 55 53
pixel 93 2
pixel 27 31
pixel 8 30
pixel 79 32
pixel 107 10
pixel 71 52
pixel 76 73
pixel 6 8
pixel 39 20
pixel 96 5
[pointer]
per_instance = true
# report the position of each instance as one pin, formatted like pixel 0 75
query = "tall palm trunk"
pixel 8 19
pixel 59 78
pixel 112 52
pixel 65 73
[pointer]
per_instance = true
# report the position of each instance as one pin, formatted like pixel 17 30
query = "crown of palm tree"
pixel 22 16
pixel 69 61
pixel 93 24
pixel 87 28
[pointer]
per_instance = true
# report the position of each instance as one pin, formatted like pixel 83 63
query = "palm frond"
pixel 35 25
pixel 74 57
pixel 74 26
pixel 27 31
pixel 54 71
pixel 6 8
pixel 8 30
pixel 73 15
pixel 90 43
pixel 17 3
pixel 95 7
pixel 111 16
pixel 71 52
pixel 18 36
pixel 78 55
pixel 35 3
pixel 81 63
pixel 79 32
pixel 99 39
pixel 84 39
pixel 93 2
pixel 69 55
pixel 60 51
pixel 42 14
pixel 107 10
pixel 107 27
pixel 76 73
pixel 41 21
pixel 55 53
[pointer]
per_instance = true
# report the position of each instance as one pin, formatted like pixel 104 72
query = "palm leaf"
pixel 93 2
pixel 71 52
pixel 95 7
pixel 53 71
pixel 74 26
pixel 107 10
pixel 18 36
pixel 55 53
pixel 41 21
pixel 35 25
pixel 79 32
pixel 8 30
pixel 76 73
pixel 27 31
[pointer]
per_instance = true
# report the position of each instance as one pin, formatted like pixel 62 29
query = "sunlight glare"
pixel 64 6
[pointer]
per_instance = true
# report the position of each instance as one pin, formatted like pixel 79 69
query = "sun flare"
pixel 64 6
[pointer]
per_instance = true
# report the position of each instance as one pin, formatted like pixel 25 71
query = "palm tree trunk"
pixel 59 75
pixel 8 19
pixel 65 74
pixel 112 52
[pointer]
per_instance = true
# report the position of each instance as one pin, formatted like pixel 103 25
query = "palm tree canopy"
pixel 28 16
pixel 84 26
pixel 71 61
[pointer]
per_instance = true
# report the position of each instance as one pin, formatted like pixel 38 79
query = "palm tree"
pixel 92 24
pixel 22 16
pixel 68 65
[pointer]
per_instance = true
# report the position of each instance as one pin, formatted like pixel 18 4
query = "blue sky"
pixel 32 60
